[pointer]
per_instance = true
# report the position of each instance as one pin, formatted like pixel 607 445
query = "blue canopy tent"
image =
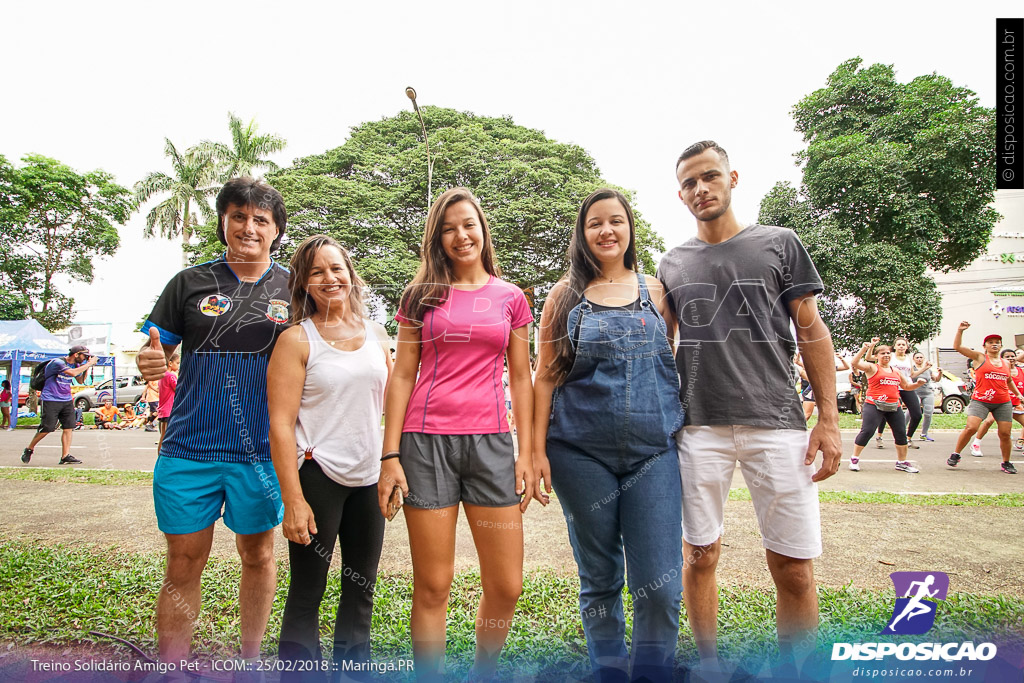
pixel 26 341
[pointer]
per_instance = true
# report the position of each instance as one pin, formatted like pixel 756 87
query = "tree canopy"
pixel 190 186
pixel 196 176
pixel 370 195
pixel 898 178
pixel 55 221
pixel 246 153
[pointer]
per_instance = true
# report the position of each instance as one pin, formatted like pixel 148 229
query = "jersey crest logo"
pixel 214 305
pixel 277 310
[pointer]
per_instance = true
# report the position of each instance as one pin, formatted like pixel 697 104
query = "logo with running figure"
pixel 914 612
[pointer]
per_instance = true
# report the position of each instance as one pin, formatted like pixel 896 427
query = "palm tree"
pixel 190 185
pixel 247 151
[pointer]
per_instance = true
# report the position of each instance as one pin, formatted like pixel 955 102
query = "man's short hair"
pixel 699 148
pixel 250 192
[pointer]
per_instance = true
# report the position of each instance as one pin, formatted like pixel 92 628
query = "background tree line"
pixel 897 179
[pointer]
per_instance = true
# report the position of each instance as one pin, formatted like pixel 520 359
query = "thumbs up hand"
pixel 151 360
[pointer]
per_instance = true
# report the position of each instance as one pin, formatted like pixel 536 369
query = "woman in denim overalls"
pixel 607 406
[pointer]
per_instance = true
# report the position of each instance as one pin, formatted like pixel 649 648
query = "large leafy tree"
pixel 55 221
pixel 247 152
pixel 13 305
pixel 370 194
pixel 898 178
pixel 187 190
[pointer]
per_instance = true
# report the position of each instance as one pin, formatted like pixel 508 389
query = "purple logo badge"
pixel 914 612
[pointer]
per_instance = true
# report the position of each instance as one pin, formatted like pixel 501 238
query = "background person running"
pixel 1017 375
pixel 922 369
pixel 881 405
pixel 445 417
pixel 56 397
pixel 606 443
pixel 325 392
pixel 993 388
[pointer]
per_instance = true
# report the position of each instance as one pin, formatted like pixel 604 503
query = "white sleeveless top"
pixel 904 366
pixel 341 408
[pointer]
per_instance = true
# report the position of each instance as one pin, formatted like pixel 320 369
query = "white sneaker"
pixel 905 466
pixel 855 464
pixel 975 450
pixel 878 441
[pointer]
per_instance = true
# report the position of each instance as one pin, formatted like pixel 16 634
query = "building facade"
pixel 989 293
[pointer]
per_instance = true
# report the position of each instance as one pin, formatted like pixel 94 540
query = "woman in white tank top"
pixel 325 391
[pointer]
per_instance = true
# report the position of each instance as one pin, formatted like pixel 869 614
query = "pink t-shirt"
pixel 168 385
pixel 462 352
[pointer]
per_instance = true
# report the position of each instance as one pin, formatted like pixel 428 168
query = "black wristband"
pixel 388 456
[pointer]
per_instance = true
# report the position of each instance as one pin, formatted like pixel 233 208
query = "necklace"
pixel 332 342
pixel 613 279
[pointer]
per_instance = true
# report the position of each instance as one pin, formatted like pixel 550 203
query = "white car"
pixel 954 396
pixel 129 389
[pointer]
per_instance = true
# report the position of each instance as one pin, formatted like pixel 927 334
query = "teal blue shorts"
pixel 190 495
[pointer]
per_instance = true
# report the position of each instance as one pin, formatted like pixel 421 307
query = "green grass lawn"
pixel 88 419
pixel 939 421
pixel 141 478
pixel 56 595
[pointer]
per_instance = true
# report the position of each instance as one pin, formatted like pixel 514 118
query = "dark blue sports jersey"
pixel 227 330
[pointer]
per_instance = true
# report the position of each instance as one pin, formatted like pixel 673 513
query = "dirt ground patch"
pixel 979 547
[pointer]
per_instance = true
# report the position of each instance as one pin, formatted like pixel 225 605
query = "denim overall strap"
pixel 575 321
pixel 620 400
pixel 645 296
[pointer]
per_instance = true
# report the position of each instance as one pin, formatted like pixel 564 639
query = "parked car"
pixel 846 399
pixel 955 394
pixel 129 389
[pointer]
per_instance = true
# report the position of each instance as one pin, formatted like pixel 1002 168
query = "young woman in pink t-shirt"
pixel 446 435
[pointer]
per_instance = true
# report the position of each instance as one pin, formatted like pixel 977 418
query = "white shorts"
pixel 772 461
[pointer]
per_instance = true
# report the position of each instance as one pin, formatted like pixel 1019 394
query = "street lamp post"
pixel 410 92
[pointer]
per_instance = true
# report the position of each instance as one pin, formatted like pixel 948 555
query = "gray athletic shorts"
pixel 1003 412
pixel 442 469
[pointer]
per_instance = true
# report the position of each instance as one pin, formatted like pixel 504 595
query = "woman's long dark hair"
pixel 432 283
pixel 583 269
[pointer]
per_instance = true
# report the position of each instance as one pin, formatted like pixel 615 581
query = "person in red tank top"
pixel 882 404
pixel 1017 375
pixel 994 396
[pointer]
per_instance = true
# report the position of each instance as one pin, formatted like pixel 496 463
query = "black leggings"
pixel 353 515
pixel 872 418
pixel 913 403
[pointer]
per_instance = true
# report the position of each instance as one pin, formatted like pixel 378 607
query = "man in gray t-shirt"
pixel 736 293
pixel 736 347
